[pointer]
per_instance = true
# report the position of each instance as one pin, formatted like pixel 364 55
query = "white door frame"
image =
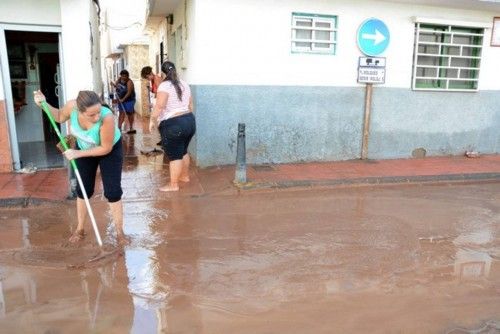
pixel 4 63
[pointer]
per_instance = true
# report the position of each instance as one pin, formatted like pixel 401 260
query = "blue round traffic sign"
pixel 373 37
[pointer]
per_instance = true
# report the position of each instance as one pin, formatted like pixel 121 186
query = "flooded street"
pixel 401 259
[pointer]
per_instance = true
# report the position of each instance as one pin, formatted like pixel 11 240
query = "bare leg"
pixel 175 167
pixel 186 160
pixel 117 214
pixel 121 119
pixel 81 213
pixel 130 117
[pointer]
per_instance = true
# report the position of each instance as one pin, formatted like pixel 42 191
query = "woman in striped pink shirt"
pixel 173 113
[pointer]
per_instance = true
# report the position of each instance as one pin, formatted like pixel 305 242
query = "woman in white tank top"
pixel 177 125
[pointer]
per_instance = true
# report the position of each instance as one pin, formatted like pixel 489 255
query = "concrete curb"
pixel 23 202
pixel 371 181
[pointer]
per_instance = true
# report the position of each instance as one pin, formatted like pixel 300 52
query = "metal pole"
pixel 366 124
pixel 241 166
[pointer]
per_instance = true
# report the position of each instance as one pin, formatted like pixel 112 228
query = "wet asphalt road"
pixel 400 259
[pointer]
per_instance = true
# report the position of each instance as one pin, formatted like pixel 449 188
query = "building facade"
pixel 48 45
pixel 289 71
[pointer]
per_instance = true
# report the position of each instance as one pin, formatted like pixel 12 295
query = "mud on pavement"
pixel 413 259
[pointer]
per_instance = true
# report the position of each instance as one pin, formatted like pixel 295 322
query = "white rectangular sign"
pixel 371 75
pixel 371 62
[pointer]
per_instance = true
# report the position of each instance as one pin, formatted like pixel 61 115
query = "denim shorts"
pixel 127 106
pixel 176 133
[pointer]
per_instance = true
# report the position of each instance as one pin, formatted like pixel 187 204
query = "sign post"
pixel 366 121
pixel 373 39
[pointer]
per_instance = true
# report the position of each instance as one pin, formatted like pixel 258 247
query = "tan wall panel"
pixel 5 153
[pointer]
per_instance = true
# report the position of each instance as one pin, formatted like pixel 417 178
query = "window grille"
pixel 446 57
pixel 313 33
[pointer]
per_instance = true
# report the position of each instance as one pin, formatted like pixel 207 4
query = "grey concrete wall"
pixel 443 123
pixel 295 124
pixel 283 124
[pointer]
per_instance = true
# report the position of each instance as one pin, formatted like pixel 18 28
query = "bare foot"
pixel 184 179
pixel 169 188
pixel 77 236
pixel 122 239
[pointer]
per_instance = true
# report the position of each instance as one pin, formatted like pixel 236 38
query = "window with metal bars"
pixel 314 33
pixel 446 57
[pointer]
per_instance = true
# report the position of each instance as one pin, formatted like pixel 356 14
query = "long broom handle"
pixel 46 109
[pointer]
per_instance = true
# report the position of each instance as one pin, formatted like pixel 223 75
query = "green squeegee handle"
pixel 46 109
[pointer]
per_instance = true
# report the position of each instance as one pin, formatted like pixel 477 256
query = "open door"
pixel 33 62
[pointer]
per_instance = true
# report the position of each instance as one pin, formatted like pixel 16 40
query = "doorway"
pixel 48 86
pixel 33 63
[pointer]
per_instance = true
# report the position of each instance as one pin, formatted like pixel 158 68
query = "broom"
pixel 46 109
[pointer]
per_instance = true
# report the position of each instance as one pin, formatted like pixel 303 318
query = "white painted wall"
pixel 164 32
pixel 30 12
pixel 97 84
pixel 159 35
pixel 247 42
pixel 489 73
pixel 185 55
pixel 78 60
pixel 24 13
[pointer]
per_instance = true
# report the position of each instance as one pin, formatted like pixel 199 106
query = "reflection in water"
pixel 26 240
pixel 179 267
pixel 130 163
pixel 148 293
pixel 143 153
pixel 128 145
pixel 36 286
pixel 259 263
pixel 2 300
pixel 95 299
pixel 143 286
pixel 471 263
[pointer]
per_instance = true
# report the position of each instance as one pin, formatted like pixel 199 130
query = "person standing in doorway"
pixel 173 112
pixel 125 92
pixel 98 145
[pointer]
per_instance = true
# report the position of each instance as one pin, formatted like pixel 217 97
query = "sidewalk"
pixel 144 173
pixel 52 185
pixel 433 169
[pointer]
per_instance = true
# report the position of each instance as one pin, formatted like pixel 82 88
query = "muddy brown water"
pixel 414 259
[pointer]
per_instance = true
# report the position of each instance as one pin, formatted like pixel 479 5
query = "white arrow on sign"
pixel 377 37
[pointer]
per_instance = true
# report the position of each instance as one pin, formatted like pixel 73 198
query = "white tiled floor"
pixel 40 154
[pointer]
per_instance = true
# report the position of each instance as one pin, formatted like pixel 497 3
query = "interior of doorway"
pixel 34 64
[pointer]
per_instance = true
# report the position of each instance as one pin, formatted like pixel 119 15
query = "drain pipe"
pixel 240 175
